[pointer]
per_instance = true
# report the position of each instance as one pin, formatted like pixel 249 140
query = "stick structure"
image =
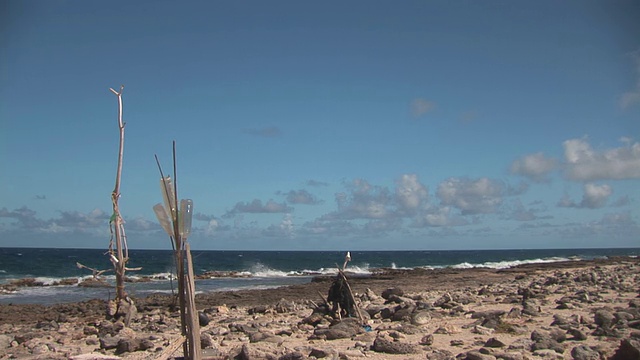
pixel 178 232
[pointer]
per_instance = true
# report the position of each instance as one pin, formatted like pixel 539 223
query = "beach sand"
pixel 564 310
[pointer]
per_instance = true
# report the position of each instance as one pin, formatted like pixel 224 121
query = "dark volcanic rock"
pixel 583 352
pixel 439 354
pixel 604 318
pixel 477 355
pixel 543 341
pixel 393 291
pixel 108 342
pixel 203 319
pixel 494 343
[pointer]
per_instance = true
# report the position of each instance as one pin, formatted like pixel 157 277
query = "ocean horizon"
pixel 242 269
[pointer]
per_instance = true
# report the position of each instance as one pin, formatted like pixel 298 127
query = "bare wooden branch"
pixel 96 272
pixel 118 259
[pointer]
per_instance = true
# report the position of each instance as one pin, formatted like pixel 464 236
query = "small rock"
pixel 604 318
pixel 128 345
pixel 319 353
pixel 420 318
pixel 477 355
pixel 438 354
pixel 448 329
pixel 583 352
pixel 206 341
pixel 509 355
pixel 286 306
pixel 380 344
pixel 344 329
pixel 479 329
pixel 90 330
pixel 108 342
pixel 260 309
pixel 222 309
pixel 427 340
pixel 296 355
pixel 393 291
pixel 5 341
pixel 203 319
pixel 40 349
pixel 577 334
pixel 494 343
pixel 313 319
pixel 548 354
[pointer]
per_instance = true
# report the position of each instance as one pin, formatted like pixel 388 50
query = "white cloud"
pixel 421 106
pixel 141 224
pixel 410 193
pixel 363 201
pixel 594 196
pixel 583 163
pixel 535 167
pixel 284 229
pixel 211 227
pixel 480 196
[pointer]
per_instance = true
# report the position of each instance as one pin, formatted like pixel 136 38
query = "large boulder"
pixel 628 349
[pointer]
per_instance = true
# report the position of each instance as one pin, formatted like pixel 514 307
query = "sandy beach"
pixel 566 310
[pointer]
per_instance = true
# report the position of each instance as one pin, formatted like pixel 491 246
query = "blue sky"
pixel 324 125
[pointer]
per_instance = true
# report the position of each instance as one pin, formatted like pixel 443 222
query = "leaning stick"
pixel 352 297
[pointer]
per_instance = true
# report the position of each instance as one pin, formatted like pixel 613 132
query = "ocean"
pixel 242 269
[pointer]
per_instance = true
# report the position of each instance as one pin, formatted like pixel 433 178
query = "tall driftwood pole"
pixel 120 257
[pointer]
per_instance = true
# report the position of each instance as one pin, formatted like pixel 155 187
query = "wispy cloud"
pixel 257 207
pixel 632 97
pixel 420 107
pixel 300 197
pixel 316 183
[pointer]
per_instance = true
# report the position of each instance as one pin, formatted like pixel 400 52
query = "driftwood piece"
pixel 169 350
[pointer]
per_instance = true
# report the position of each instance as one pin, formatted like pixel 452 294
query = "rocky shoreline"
pixel 570 310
